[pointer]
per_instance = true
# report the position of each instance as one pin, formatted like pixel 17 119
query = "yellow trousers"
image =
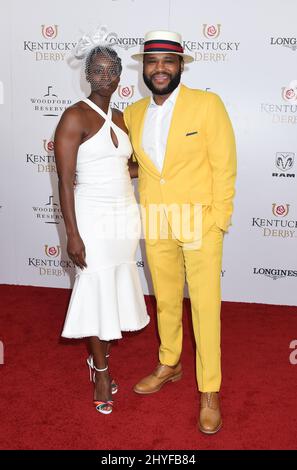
pixel 170 262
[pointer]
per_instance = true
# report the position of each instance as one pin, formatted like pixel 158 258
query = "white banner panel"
pixel 8 206
pixel 244 51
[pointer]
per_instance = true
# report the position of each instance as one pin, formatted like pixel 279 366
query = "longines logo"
pixel 124 42
pixel 284 162
pixel 290 43
pixel 278 227
pixel 50 104
pixel 283 113
pixel 274 273
pixel 49 50
pixel 51 264
pixel 112 38
pixel 211 50
pixel 49 213
pixel 44 163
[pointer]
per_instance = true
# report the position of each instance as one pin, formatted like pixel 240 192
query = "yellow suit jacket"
pixel 199 165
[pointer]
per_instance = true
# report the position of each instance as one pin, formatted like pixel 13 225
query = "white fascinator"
pixel 98 38
pixel 96 53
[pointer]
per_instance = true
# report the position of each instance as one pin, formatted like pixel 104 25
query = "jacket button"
pixel 162 181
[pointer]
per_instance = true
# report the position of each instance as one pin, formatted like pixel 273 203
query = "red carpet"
pixel 46 398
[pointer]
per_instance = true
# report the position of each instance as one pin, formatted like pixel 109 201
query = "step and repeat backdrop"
pixel 246 51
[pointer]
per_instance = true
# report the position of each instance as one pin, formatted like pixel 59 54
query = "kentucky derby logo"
pixel 52 251
pixel 126 92
pixel 211 31
pixel 280 210
pixel 290 93
pixel 209 48
pixel 286 112
pixel 284 160
pixel 279 226
pixel 49 32
pixel 48 145
pixel 48 48
pixel 51 265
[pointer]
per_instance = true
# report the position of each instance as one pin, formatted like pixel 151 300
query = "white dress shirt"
pixel 156 129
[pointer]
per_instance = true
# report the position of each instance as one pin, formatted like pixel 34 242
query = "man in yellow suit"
pixel 184 145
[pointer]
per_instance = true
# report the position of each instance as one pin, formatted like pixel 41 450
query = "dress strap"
pixel 96 108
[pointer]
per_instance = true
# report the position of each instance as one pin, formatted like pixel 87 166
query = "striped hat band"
pixel 162 46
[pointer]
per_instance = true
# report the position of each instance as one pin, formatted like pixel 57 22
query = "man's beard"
pixel 174 82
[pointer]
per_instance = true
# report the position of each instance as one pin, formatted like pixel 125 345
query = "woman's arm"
pixel 133 168
pixel 68 137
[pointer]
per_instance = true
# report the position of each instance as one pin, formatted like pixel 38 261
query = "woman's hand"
pixel 76 251
pixel 133 168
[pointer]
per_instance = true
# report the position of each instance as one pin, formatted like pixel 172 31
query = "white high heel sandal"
pixel 90 362
pixel 104 407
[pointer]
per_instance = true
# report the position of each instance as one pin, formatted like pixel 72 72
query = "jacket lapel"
pixel 145 160
pixel 176 128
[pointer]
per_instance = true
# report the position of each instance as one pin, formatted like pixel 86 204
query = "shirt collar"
pixel 171 98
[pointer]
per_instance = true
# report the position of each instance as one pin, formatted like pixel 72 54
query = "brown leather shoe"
pixel 162 374
pixel 210 420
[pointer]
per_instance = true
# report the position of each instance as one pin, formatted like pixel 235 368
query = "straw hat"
pixel 162 42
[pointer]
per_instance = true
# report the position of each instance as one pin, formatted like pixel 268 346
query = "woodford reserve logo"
pixel 277 227
pixel 211 49
pixel 50 104
pixel 52 265
pixel 43 162
pixel 49 213
pixel 47 49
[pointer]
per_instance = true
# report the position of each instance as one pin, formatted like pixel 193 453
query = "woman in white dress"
pixel 101 219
